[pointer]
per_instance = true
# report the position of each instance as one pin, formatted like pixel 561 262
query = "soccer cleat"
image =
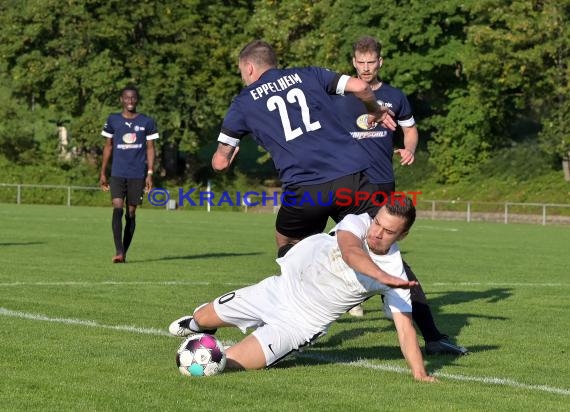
pixel 444 346
pixel 119 259
pixel 181 327
pixel 357 311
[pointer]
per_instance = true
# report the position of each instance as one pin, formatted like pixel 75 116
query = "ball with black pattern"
pixel 201 355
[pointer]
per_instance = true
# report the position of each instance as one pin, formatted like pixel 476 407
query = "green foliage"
pixel 457 147
pixel 476 72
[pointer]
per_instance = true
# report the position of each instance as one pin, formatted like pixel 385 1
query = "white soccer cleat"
pixel 181 328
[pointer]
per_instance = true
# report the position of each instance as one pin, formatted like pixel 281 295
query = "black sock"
pixel 284 249
pixel 421 314
pixel 117 225
pixel 130 225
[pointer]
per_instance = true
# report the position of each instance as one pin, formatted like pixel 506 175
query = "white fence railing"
pixel 63 192
pixel 505 212
pixel 469 211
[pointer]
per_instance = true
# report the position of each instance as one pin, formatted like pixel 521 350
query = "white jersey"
pixel 315 288
pixel 318 279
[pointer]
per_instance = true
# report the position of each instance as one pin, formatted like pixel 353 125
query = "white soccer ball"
pixel 201 355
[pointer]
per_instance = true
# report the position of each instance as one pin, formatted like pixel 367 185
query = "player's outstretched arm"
pixel 409 346
pixel 357 258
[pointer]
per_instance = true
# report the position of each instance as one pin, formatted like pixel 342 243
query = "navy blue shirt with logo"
pixel 129 143
pixel 377 141
pixel 290 114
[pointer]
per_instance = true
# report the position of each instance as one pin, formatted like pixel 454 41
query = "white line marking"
pixel 360 363
pixel 113 283
pixel 239 284
pixel 363 363
pixel 513 284
pixel 90 323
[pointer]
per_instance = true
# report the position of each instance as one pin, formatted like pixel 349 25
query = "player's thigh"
pixel 247 354
pixel 276 342
pixel 353 196
pixel 302 213
pixel 118 188
pixel 245 307
pixel 135 191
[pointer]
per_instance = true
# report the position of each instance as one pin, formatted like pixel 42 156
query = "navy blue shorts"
pixel 305 210
pixel 130 189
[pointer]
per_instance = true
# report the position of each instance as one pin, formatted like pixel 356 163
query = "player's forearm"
pixel 363 92
pixel 409 345
pixel 367 97
pixel 105 160
pixel 411 138
pixel 360 261
pixel 150 156
pixel 223 157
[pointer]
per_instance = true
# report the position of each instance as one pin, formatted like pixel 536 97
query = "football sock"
pixel 194 326
pixel 284 249
pixel 117 225
pixel 130 225
pixel 421 314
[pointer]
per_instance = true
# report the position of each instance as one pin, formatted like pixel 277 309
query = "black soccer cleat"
pixel 181 327
pixel 444 346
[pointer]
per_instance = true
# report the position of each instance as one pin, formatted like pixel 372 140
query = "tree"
pixel 516 64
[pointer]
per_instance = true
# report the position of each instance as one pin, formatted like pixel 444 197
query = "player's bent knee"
pixel 206 317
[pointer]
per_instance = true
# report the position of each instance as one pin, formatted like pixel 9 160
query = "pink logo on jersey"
pixel 130 138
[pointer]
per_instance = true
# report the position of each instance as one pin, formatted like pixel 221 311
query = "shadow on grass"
pixel 199 256
pixel 316 356
pixel 448 323
pixel 21 243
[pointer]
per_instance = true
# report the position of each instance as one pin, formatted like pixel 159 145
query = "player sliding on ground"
pixel 323 276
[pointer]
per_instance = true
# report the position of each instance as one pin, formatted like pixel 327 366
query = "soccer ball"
pixel 201 355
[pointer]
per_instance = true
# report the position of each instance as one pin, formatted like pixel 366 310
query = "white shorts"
pixel 260 306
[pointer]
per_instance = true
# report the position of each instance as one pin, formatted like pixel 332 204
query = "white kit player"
pixel 323 276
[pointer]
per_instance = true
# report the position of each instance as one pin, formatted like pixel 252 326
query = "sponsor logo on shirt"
pixel 129 146
pixel 129 138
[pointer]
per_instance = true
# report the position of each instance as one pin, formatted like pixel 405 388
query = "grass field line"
pixel 80 322
pixel 238 284
pixel 511 284
pixel 363 363
pixel 442 229
pixel 131 283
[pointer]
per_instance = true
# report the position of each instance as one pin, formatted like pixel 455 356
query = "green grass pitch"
pixel 78 333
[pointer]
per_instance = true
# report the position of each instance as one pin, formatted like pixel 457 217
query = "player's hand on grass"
pixel 425 378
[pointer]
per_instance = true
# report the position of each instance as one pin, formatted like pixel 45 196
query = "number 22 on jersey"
pixel 293 96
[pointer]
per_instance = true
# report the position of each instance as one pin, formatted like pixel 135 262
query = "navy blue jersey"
pixel 378 141
pixel 289 113
pixel 129 143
